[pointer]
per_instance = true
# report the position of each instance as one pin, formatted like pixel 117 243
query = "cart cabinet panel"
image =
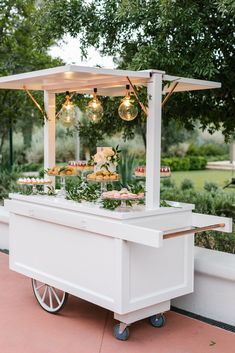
pixel 123 272
pixel 76 261
pixel 157 275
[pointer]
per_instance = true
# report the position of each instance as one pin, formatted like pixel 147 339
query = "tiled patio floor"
pixel 85 328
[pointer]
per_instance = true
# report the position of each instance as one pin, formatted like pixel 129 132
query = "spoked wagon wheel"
pixel 49 298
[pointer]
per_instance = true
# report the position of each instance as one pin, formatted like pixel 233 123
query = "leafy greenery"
pixel 207 149
pixel 187 38
pixel 126 168
pixel 185 163
pixel 19 52
pixel 212 200
pixel 187 184
pixel 8 183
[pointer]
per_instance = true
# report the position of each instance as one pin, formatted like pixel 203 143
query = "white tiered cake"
pixel 105 164
pixel 103 160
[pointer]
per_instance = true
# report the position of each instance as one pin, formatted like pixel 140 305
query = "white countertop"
pixel 91 208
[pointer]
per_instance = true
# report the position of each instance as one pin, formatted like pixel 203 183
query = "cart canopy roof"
pixel 109 82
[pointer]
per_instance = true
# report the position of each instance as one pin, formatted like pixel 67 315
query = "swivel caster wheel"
pixel 157 320
pixel 120 333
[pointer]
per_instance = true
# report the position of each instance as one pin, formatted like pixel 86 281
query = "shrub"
pixel 187 184
pixel 186 163
pixel 211 186
pixel 167 183
pixel 208 149
pixel 218 203
pixel 178 150
pixel 30 167
pixel 212 149
pixel 8 183
pixel 197 163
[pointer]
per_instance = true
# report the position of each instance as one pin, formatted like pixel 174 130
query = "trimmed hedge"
pixel 185 163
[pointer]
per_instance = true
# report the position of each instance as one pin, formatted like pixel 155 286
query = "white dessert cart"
pixel 130 263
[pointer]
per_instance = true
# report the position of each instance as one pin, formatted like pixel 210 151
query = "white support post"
pixel 153 138
pixel 49 130
pixel 77 152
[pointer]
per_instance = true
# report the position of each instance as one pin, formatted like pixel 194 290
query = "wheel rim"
pixel 50 298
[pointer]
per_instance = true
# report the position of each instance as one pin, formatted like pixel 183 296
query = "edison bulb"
pixel 68 118
pixel 127 111
pixel 69 113
pixel 94 110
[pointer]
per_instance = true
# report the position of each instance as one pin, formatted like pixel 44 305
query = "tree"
pixel 187 38
pixel 19 53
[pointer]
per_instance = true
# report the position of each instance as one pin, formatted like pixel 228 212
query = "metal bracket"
pixel 143 107
pixel 36 103
pixel 169 93
pixel 192 230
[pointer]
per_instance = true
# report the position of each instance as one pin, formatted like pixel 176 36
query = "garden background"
pixel 186 38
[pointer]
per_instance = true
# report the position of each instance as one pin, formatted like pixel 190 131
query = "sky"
pixel 69 51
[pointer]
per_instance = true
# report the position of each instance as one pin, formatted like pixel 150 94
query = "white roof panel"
pixel 84 79
pixel 76 78
pixel 187 84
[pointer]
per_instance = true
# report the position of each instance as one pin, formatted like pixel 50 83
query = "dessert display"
pixel 103 175
pixel 165 172
pixel 105 164
pixel 81 165
pixel 34 181
pixel 140 171
pixel 62 171
pixel 123 194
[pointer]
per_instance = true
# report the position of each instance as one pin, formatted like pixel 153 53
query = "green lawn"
pixel 199 177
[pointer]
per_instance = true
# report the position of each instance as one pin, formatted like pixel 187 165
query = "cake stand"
pixel 103 187
pixel 62 192
pixel 143 177
pixel 34 186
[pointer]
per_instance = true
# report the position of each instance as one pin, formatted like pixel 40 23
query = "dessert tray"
pixel 62 171
pixel 103 176
pixel 140 172
pixel 81 165
pixel 34 182
pixel 124 196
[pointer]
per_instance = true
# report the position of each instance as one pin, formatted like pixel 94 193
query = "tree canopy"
pixel 19 53
pixel 182 37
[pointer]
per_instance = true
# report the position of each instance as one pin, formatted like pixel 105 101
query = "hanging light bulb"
pixel 127 111
pixel 94 110
pixel 68 114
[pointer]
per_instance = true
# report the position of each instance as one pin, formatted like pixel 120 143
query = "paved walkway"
pixel 85 328
pixel 221 165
